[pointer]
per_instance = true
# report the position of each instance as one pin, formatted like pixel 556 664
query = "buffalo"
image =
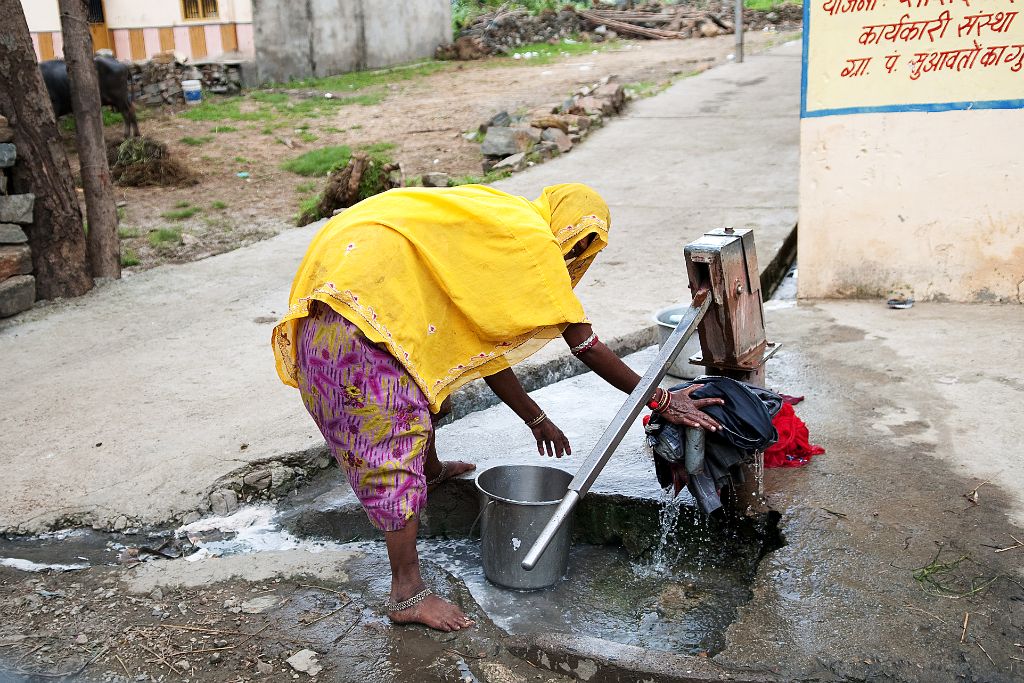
pixel 115 89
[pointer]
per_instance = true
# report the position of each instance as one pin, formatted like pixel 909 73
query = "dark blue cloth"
pixel 746 427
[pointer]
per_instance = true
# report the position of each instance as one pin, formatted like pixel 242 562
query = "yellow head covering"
pixel 457 283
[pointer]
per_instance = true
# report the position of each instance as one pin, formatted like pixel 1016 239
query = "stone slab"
pixel 17 208
pixel 12 234
pixel 8 155
pixel 17 294
pixel 15 260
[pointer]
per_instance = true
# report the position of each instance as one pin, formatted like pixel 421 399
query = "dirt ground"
pixel 424 118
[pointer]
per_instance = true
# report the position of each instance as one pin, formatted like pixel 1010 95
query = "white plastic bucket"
pixel 193 91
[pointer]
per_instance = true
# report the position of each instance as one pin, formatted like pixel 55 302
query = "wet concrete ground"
pixel 886 548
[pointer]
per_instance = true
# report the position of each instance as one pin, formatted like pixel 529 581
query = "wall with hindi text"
pixel 912 149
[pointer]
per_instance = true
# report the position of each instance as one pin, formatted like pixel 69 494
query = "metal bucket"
pixel 667 318
pixel 517 501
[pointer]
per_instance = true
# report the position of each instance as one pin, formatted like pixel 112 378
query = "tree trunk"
pixel 103 244
pixel 56 236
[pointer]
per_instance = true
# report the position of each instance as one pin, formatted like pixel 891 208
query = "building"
pixel 912 152
pixel 134 30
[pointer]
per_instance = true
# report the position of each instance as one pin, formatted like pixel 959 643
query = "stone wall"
pixel 327 37
pixel 17 286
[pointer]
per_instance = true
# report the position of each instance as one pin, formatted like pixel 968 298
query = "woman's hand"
pixel 683 410
pixel 550 437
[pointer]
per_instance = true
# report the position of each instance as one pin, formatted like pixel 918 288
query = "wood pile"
pixel 658 22
pixel 511 26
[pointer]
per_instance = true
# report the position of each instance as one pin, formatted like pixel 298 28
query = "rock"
pixel 591 105
pixel 82 639
pixel 260 605
pixel 156 594
pixel 558 137
pixel 304 661
pixel 613 92
pixel 547 150
pixel 6 133
pixel 561 122
pixel 280 476
pixel 532 132
pixel 516 162
pixel 495 672
pixel 501 142
pixel 435 179
pixel 501 120
pixel 15 260
pixel 17 208
pixel 264 668
pixel 215 658
pixel 191 517
pixel 223 502
pixel 121 523
pixel 17 294
pixel 181 665
pixel 12 234
pixel 4 121
pixel 259 480
pixel 709 29
pixel 8 155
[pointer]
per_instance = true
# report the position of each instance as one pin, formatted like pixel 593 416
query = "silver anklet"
pixel 406 604
pixel 440 475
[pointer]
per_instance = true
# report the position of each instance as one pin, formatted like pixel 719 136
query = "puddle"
pixel 606 594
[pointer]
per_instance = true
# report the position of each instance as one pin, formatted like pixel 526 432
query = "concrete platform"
pixel 124 407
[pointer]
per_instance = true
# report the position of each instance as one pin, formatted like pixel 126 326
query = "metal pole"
pixel 738 23
pixel 620 424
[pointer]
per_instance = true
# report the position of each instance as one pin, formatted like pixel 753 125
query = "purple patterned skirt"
pixel 376 421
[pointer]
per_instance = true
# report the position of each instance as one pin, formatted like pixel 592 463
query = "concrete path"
pixel 125 406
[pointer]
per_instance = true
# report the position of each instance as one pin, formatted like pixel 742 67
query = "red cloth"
pixel 793 449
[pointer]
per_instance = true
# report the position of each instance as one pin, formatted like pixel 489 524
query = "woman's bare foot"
pixel 452 468
pixel 435 613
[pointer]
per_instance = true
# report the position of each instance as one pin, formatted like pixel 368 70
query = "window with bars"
pixel 199 9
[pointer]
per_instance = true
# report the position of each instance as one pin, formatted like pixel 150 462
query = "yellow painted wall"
pixel 912 150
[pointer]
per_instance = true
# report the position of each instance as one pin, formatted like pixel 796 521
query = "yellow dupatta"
pixel 457 283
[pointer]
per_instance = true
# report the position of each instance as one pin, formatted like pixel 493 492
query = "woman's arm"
pixel 603 361
pixel 506 386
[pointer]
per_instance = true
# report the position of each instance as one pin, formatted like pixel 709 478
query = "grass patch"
pixel 242 160
pixel 547 53
pixel 228 109
pixel 223 129
pixel 129 258
pixel 196 142
pixel 360 80
pixel 110 118
pixel 127 233
pixel 306 136
pixel 767 5
pixel 183 211
pixel 305 188
pixel 333 129
pixel 164 237
pixel 319 162
pixel 308 205
pixel 378 150
pixel 218 205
